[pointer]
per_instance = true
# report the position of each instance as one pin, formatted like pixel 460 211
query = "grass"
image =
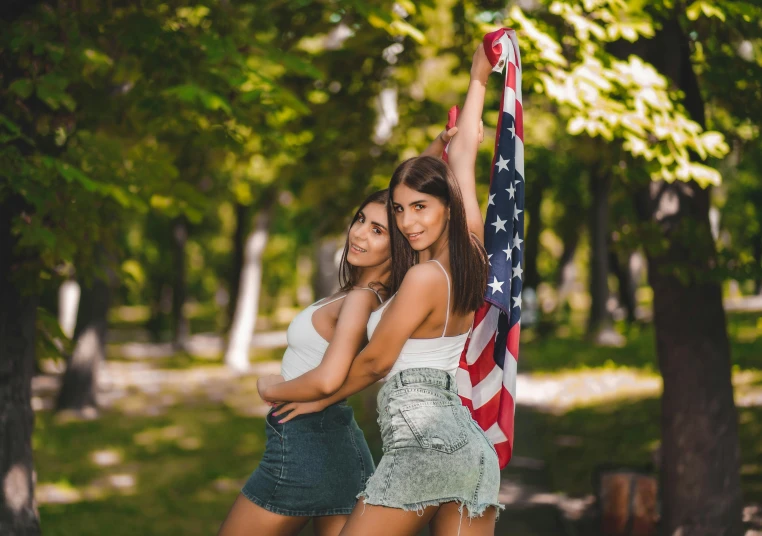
pixel 574 444
pixel 180 486
pixel 178 472
pixel 183 469
pixel 568 350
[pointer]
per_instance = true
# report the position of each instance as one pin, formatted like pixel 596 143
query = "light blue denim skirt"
pixel 313 465
pixel 434 452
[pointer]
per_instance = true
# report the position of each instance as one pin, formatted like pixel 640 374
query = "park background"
pixel 175 179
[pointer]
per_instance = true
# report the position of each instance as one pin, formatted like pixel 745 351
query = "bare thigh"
pixel 373 520
pixel 248 519
pixel 449 522
pixel 329 525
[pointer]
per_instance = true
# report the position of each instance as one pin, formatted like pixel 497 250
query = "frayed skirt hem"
pixel 472 510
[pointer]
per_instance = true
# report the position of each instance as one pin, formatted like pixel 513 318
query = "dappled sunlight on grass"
pixel 558 392
pixel 106 457
pixel 565 390
pixel 177 436
pixel 153 438
pixel 574 353
pixel 573 444
pixel 567 348
pixel 159 486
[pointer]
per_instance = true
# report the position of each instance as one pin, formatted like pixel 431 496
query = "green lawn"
pixel 567 349
pixel 130 472
pixel 574 444
pixel 179 472
pixel 185 466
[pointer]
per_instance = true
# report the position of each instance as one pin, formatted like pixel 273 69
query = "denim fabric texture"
pixel 314 465
pixel 434 452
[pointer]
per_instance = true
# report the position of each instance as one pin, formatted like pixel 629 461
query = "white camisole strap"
pixel 380 299
pixel 447 314
pixel 330 302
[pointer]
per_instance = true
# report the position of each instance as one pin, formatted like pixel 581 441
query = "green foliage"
pixel 116 119
pixel 567 55
pixel 110 112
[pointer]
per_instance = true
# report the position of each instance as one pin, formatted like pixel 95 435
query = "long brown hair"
pixel 468 259
pixel 349 274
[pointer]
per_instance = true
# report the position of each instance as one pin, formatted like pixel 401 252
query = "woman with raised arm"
pixel 438 465
pixel 315 467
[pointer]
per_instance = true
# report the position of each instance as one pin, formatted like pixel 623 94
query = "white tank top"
pixel 442 353
pixel 306 347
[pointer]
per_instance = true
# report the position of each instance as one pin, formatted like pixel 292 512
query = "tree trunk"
pixel 700 481
pixel 18 509
pixel 68 306
pixel 179 284
pixel 700 451
pixel 326 279
pixel 304 291
pixel 79 385
pixel 566 270
pixel 245 317
pixel 239 240
pixel 758 265
pixel 599 319
pixel 627 285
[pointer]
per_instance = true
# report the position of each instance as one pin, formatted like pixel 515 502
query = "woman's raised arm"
pixel 437 146
pixel 463 147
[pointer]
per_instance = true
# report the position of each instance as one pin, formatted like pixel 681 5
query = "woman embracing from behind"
pixel 438 467
pixel 314 467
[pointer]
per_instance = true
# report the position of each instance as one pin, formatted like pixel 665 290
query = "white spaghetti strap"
pixel 330 302
pixel 380 299
pixel 447 314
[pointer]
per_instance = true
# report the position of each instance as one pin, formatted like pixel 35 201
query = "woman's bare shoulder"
pixel 359 301
pixel 424 278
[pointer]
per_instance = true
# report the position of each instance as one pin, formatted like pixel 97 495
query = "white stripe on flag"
pixel 519 156
pixel 509 102
pixel 517 50
pixel 510 370
pixel 486 389
pixel 518 82
pixel 463 381
pixel 495 434
pixel 482 334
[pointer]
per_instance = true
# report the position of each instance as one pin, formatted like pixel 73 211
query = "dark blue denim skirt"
pixel 314 465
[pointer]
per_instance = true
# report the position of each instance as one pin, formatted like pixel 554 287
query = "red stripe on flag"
pixel 505 414
pixel 513 340
pixel 481 368
pixel 510 79
pixel 488 412
pixel 504 452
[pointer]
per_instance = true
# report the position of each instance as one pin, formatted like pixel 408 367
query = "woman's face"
pixel 369 243
pixel 422 218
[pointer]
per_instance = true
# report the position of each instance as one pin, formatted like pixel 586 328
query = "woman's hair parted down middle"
pixel 348 274
pixel 468 259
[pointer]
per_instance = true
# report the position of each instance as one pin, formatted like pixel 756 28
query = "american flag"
pixel 487 372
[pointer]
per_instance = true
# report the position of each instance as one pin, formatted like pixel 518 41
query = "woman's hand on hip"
pixel 293 409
